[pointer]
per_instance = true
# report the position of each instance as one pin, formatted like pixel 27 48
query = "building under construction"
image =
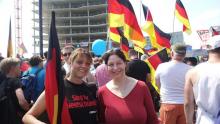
pixel 78 22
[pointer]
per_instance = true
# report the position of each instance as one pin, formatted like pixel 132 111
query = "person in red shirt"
pixel 124 100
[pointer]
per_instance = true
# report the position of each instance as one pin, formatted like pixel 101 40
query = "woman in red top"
pixel 124 100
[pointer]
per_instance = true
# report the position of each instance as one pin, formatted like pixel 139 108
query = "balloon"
pixel 99 47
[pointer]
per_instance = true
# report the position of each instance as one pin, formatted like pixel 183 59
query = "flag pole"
pixel 40 28
pixel 10 47
pixel 109 43
pixel 174 17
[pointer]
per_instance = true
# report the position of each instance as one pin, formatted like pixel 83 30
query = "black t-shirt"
pixel 14 84
pixel 137 69
pixel 11 112
pixel 82 102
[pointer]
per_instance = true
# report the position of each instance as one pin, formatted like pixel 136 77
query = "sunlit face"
pixel 80 67
pixel 116 66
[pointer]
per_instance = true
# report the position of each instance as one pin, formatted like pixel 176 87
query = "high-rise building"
pixel 78 22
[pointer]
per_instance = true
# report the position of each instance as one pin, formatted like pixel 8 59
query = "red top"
pixel 136 108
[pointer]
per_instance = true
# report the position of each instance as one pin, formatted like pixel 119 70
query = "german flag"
pixel 114 35
pixel 181 14
pixel 56 105
pixel 10 48
pixel 22 49
pixel 132 30
pixel 124 45
pixel 124 41
pixel 115 18
pixel 214 32
pixel 117 35
pixel 138 49
pixel 115 14
pixel 163 39
pixel 158 38
pixel 153 63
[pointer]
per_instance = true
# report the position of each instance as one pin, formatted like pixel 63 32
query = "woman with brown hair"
pixel 77 93
pixel 124 100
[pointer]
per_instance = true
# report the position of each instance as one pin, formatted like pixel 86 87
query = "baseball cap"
pixel 213 42
pixel 179 49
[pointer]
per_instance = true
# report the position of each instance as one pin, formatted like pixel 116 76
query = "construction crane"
pixel 19 45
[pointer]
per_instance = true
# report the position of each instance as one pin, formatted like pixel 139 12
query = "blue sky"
pixel 202 14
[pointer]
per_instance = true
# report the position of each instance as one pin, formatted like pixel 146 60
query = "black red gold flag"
pixel 124 45
pixel 114 35
pixel 158 38
pixel 153 62
pixel 56 105
pixel 163 39
pixel 115 14
pixel 22 49
pixel 181 14
pixel 214 32
pixel 132 30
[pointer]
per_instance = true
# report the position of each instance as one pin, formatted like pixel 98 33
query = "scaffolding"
pixel 78 22
pixel 18 24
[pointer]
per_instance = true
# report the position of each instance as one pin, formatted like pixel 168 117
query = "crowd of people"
pixel 117 90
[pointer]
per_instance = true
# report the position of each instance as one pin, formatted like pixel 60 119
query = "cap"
pixel 180 49
pixel 213 42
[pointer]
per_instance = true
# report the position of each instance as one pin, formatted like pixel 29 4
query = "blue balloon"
pixel 99 47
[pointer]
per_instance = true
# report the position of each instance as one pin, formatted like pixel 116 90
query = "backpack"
pixel 3 84
pixel 8 114
pixel 29 82
pixel 2 87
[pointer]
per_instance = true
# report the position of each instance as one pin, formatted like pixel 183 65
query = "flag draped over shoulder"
pixel 132 30
pixel 10 48
pixel 55 103
pixel 153 63
pixel 158 38
pixel 181 14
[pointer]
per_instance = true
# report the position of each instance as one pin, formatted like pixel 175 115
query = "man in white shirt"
pixel 66 51
pixel 203 86
pixel 170 79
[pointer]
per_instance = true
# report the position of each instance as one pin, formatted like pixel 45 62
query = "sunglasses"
pixel 66 54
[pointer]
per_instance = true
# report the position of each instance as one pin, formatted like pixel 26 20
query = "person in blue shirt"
pixel 36 63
